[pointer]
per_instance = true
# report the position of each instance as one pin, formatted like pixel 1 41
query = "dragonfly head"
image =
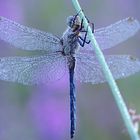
pixel 73 21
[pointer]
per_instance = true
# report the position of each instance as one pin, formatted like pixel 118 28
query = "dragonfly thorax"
pixel 70 36
pixel 69 42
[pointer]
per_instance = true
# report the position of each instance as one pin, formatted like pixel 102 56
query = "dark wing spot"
pixel 133 58
pixel 130 20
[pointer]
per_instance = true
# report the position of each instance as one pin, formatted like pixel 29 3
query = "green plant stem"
pixel 108 75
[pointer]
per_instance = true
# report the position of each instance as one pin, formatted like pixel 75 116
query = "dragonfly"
pixel 71 54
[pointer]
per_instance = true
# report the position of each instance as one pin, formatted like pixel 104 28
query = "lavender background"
pixel 42 113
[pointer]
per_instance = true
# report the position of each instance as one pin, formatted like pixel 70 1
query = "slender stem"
pixel 108 75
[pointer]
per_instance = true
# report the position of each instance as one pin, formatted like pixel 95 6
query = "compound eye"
pixel 70 21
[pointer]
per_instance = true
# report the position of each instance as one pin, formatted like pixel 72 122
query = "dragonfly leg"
pixel 82 27
pixel 92 27
pixel 82 41
pixel 76 15
pixel 87 42
pixel 92 24
pixel 83 30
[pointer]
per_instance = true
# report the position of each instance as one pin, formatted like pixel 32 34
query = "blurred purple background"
pixel 42 113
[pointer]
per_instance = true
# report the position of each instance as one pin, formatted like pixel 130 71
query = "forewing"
pixel 89 70
pixel 33 70
pixel 27 38
pixel 114 34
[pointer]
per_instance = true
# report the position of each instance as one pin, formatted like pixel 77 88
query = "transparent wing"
pixel 89 70
pixel 27 38
pixel 32 70
pixel 116 33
